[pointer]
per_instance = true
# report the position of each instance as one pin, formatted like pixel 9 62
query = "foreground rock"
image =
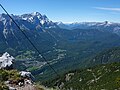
pixel 6 61
pixel 11 79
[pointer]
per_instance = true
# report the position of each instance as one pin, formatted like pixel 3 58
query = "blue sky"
pixel 67 10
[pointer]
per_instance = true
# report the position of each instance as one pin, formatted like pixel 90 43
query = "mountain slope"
pixel 107 56
pixel 105 76
pixel 29 23
pixel 102 76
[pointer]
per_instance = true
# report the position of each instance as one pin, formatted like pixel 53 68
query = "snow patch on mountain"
pixel 6 60
pixel 42 22
pixel 25 74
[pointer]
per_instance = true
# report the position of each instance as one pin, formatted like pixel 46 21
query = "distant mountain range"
pixel 107 26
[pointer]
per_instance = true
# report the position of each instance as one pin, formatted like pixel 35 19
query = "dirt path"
pixel 31 87
pixel 26 87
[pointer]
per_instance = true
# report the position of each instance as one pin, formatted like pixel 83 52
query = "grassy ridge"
pixel 8 75
pixel 106 76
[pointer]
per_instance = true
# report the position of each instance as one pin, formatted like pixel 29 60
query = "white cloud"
pixel 107 8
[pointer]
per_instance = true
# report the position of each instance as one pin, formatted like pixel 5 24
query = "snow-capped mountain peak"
pixel 30 21
pixel 36 13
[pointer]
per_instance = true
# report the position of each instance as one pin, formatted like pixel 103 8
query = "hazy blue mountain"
pixel 104 26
